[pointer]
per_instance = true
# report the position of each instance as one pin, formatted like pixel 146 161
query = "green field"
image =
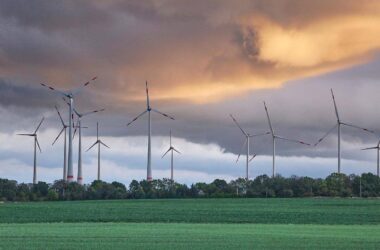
pixel 192 224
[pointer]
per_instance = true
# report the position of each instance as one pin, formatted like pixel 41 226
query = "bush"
pixel 339 185
pixel 52 195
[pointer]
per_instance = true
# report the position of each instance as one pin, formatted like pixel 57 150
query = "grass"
pixel 192 224
pixel 263 211
pixel 186 236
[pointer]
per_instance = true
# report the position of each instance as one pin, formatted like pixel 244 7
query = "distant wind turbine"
pixel 339 124
pixel 70 95
pixel 149 109
pixel 378 154
pixel 79 127
pixel 171 150
pixel 275 137
pixel 36 144
pixel 246 143
pixel 64 129
pixel 98 142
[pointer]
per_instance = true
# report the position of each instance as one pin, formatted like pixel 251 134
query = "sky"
pixel 203 60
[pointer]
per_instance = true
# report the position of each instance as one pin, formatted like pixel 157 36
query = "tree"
pixel 52 195
pixel 240 186
pixel 23 192
pixel 40 189
pixel 75 191
pixel 135 190
pixel 8 189
pixel 338 185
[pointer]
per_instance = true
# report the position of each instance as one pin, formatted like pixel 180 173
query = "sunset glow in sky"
pixel 203 60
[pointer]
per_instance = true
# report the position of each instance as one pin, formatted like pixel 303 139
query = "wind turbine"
pixel 98 141
pixel 246 143
pixel 36 144
pixel 70 95
pixel 339 124
pixel 274 137
pixel 64 129
pixel 79 126
pixel 171 150
pixel 378 154
pixel 149 109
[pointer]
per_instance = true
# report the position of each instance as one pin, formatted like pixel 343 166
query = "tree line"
pixel 334 185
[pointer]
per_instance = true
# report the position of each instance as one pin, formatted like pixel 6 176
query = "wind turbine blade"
pixel 38 144
pixel 55 90
pixel 79 89
pixel 166 153
pixel 168 116
pixel 92 146
pixel 237 124
pixel 58 135
pixel 60 117
pixel 370 148
pixel 64 99
pixel 77 113
pixel 91 112
pixel 269 122
pixel 292 140
pixel 73 119
pixel 147 94
pixel 336 108
pixel 75 130
pixel 39 125
pixel 137 117
pixel 253 156
pixel 104 144
pixel 267 133
pixel 26 134
pixel 323 137
pixel 245 142
pixel 176 150
pixel 354 126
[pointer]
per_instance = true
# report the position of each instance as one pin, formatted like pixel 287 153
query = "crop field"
pixel 192 224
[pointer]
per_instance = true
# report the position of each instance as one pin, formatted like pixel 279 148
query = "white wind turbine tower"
pixel 171 150
pixel 275 137
pixel 64 129
pixel 36 144
pixel 148 110
pixel 79 127
pixel 378 155
pixel 70 95
pixel 339 124
pixel 98 141
pixel 246 143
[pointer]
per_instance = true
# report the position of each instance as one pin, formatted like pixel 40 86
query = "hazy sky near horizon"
pixel 203 60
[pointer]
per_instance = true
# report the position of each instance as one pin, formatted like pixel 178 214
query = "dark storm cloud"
pixel 203 59
pixel 12 94
pixel 53 15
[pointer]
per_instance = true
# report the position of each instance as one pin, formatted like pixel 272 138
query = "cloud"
pixel 203 60
pixel 201 52
pixel 319 43
pixel 126 160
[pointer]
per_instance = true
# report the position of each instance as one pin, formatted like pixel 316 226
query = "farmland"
pixel 192 223
pixel 262 211
pixel 190 236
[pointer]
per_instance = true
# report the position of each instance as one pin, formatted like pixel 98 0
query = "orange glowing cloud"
pixel 270 52
pixel 323 42
pixel 199 51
